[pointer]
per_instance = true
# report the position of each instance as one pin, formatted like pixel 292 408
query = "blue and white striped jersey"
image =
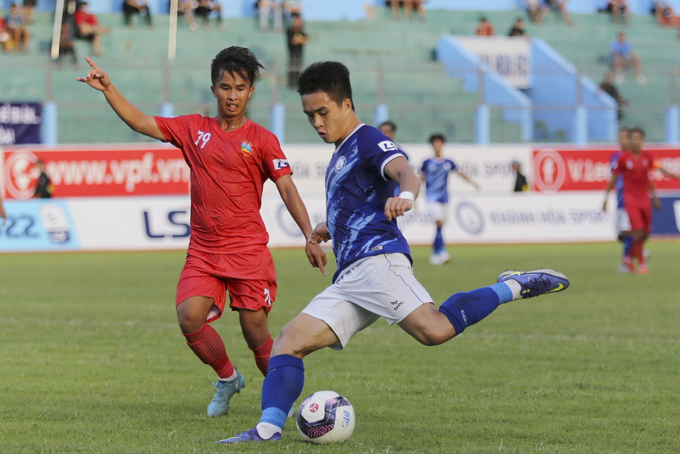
pixel 436 171
pixel 356 192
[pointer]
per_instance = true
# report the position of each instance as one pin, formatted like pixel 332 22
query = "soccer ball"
pixel 325 417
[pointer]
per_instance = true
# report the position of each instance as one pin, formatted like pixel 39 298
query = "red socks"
pixel 208 346
pixel 262 354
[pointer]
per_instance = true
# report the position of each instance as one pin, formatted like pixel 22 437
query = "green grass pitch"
pixel 93 360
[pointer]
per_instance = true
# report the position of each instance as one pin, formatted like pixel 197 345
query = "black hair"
pixel 389 123
pixel 330 77
pixel 637 129
pixel 236 60
pixel 434 137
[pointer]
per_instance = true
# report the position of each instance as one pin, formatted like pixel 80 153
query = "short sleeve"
pixel 275 163
pixel 617 167
pixel 454 167
pixel 177 130
pixel 423 168
pixel 378 150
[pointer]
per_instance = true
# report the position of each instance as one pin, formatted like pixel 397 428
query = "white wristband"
pixel 408 195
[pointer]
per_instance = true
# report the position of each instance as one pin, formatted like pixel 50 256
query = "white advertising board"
pixel 509 57
pixel 162 222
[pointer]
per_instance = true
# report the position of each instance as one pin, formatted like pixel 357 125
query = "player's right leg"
pixel 286 376
pixel 200 300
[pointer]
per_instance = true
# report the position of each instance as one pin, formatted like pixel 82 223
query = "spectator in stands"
pixel 665 15
pixel 484 28
pixel 186 9
pixel 132 7
pixel 297 38
pixel 410 5
pixel 561 7
pixel 29 10
pixel 291 8
pixel 619 10
pixel 608 87
pixel 267 8
pixel 517 29
pixel 15 24
pixel 66 45
pixel 622 55
pixel 207 7
pixel 88 28
pixel 5 38
pixel 521 184
pixel 536 11
pixel 394 5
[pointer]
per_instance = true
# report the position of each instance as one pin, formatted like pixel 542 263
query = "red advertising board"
pixel 565 169
pixel 96 172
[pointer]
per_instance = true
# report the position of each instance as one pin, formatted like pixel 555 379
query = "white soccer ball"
pixel 325 417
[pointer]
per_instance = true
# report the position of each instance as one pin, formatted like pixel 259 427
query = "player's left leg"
pixel 433 327
pixel 253 299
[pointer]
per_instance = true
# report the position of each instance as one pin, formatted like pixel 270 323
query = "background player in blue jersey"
pixel 435 174
pixel 374 277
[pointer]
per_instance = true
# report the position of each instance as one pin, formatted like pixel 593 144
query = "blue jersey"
pixel 619 179
pixel 436 171
pixel 356 192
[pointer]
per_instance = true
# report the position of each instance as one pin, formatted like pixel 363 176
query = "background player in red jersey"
pixel 634 167
pixel 230 159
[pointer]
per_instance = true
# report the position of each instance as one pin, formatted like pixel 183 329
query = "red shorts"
pixel 640 217
pixel 207 275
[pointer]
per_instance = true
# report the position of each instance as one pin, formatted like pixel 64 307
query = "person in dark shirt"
pixel 608 87
pixel 517 29
pixel 297 39
pixel 44 188
pixel 521 183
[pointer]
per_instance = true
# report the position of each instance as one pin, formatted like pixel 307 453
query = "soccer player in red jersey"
pixel 230 159
pixel 634 167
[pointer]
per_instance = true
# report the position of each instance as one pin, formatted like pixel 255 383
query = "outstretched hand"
pixel 96 78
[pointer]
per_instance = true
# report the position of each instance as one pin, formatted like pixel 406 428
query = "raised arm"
pixel 401 172
pixel 296 208
pixel 132 116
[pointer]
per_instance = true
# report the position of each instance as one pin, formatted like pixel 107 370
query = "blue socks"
pixel 627 244
pixel 282 385
pixel 467 308
pixel 438 245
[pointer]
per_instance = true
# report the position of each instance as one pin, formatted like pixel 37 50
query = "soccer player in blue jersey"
pixel 435 174
pixel 374 277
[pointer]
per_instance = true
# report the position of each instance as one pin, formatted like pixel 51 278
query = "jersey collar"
pixel 348 136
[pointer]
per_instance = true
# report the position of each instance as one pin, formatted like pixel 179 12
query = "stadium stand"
pixel 390 62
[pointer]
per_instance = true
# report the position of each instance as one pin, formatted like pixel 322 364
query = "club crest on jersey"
pixel 246 147
pixel 340 163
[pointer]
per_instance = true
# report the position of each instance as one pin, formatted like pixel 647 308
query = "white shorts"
pixel 622 221
pixel 374 287
pixel 438 210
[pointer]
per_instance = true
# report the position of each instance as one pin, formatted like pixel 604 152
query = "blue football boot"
pixel 250 435
pixel 536 282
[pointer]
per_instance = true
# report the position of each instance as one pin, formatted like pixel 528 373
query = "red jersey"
pixel 81 17
pixel 635 172
pixel 228 171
